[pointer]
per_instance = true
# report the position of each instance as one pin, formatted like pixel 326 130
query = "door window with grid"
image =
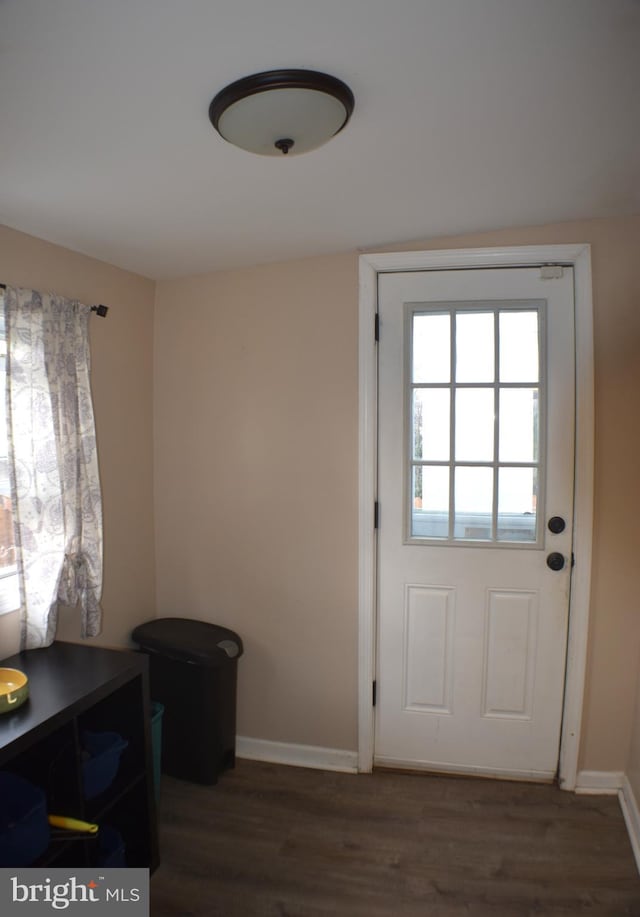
pixel 475 406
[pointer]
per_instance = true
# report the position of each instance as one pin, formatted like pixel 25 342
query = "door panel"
pixel 428 663
pixel 476 400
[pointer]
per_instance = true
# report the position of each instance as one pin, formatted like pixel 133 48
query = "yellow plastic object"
pixel 14 689
pixel 72 824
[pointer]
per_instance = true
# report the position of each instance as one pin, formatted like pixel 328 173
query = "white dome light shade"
pixel 305 117
pixel 282 111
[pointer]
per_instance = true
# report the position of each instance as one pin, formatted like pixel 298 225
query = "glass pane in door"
pixel 519 433
pixel 430 502
pixel 476 424
pixel 431 352
pixel 475 358
pixel 519 356
pixel 473 503
pixel 431 422
pixel 475 410
pixel 517 504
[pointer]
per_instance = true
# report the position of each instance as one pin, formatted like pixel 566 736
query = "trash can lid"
pixel 189 641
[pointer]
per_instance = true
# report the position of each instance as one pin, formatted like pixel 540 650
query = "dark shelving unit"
pixel 73 688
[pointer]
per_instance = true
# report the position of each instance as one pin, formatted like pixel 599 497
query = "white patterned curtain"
pixel 53 462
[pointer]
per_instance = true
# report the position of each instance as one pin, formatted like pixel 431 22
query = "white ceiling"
pixel 470 114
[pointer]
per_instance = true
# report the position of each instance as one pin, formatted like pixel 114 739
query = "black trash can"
pixel 193 673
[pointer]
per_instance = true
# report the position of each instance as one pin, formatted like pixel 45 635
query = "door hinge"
pixel 376 514
pixel 374 693
pixel 376 327
pixel 573 559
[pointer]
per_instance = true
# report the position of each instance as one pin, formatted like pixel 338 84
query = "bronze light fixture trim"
pixel 280 112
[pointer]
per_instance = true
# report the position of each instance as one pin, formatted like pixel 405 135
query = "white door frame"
pixel 579 257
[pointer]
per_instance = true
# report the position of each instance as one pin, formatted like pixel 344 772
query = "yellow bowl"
pixel 14 689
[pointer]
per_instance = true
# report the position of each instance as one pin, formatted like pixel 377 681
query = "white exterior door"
pixel 475 490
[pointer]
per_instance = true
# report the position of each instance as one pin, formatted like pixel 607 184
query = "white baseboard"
pixel 326 759
pixel 599 783
pixel 631 813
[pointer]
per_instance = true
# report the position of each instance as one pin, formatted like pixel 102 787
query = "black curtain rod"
pixel 99 310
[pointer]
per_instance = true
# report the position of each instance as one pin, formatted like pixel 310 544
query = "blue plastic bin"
pixel 102 752
pixel 24 828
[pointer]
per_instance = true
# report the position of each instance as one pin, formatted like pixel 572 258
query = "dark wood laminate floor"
pixel 274 841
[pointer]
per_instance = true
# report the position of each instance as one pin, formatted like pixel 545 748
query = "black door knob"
pixel 555 561
pixel 556 525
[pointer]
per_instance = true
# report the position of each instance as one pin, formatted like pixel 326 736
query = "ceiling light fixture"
pixel 282 111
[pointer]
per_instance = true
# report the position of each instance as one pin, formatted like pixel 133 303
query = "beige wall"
pixel 256 470
pixel 122 374
pixel 256 519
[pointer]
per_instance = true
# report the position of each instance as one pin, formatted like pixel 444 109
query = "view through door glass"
pixel 475 398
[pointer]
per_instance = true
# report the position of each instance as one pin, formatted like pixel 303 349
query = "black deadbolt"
pixel 555 561
pixel 557 525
